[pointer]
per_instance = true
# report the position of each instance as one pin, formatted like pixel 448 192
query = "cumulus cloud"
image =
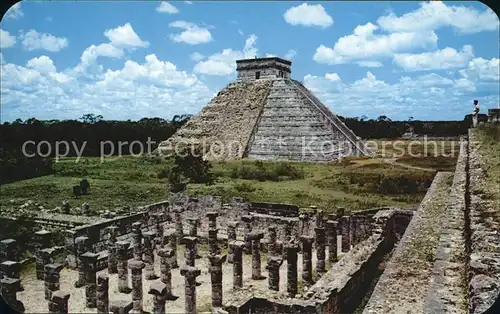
pixel 152 88
pixel 482 69
pixel 308 15
pixel 224 62
pixel 125 36
pixel 436 14
pixel 14 12
pixel 192 34
pixel 370 64
pixel 6 39
pixel 196 56
pixel 166 7
pixel 364 44
pixel 290 54
pixel 447 58
pixel 423 97
pixel 122 38
pixel 33 40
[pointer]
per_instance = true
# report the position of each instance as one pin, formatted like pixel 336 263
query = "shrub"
pixel 245 187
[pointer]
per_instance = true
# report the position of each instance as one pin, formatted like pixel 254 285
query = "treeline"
pixel 384 127
pixel 27 147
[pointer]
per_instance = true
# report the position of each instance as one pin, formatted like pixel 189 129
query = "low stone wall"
pixel 97 233
pixel 342 288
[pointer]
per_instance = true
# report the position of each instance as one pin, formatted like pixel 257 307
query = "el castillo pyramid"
pixel 265 115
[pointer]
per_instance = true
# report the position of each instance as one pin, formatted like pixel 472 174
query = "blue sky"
pixel 128 60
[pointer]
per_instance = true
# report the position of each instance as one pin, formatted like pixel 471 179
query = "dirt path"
pixel 393 162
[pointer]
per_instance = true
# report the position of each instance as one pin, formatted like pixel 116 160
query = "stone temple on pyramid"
pixel 267 115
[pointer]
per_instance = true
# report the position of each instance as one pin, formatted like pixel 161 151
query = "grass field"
pixel 354 183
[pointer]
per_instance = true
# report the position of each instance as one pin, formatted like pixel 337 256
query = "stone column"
pixel 58 304
pixel 213 246
pixel 136 267
pixel 166 272
pixel 274 264
pixel 52 276
pixel 190 273
pixel 352 230
pixel 215 270
pixel 190 251
pixel 172 244
pixel 231 236
pixel 332 241
pixel 237 248
pixel 193 232
pixel 81 247
pixel 112 259
pixel 8 250
pixel 212 219
pixel 90 267
pixel 247 219
pixel 102 294
pixel 320 251
pixel 274 247
pixel 43 239
pixel 122 251
pixel 137 237
pixel 120 306
pixel 158 291
pixel 149 257
pixel 158 234
pixel 291 264
pixel 179 229
pixel 255 238
pixel 11 269
pixel 44 257
pixel 303 224
pixel 344 229
pixel 319 219
pixel 307 243
pixel 9 287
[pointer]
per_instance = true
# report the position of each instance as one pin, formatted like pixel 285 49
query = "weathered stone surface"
pixel 90 268
pixel 120 306
pixel 231 236
pixel 255 238
pixel 307 243
pixel 136 268
pixel 137 237
pixel 9 287
pixel 52 277
pixel 190 273
pixel 112 254
pixel 237 248
pixel 122 266
pixel 320 239
pixel 215 270
pixel 149 257
pixel 291 275
pixel 344 225
pixel 58 303
pixel 274 263
pixel 332 227
pixel 158 290
pixel 190 251
pixel 102 294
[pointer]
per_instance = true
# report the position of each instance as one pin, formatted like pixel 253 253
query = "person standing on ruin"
pixel 475 113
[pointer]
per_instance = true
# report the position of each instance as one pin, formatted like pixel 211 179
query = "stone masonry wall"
pixel 339 290
pixel 483 242
pixel 225 125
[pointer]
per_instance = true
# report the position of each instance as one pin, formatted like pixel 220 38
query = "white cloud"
pixel 447 58
pixel 308 15
pixel 364 44
pixel 188 2
pixel 90 54
pixel 153 88
pixel 196 56
pixel 241 32
pixel 290 54
pixel 42 64
pixel 482 69
pixel 436 14
pixel 192 34
pixel 370 64
pixel 224 63
pixel 6 39
pixel 166 7
pixel 430 96
pixel 33 40
pixel 14 12
pixel 125 36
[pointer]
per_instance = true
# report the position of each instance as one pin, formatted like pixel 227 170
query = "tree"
pixel 91 118
pixel 383 118
pixel 189 167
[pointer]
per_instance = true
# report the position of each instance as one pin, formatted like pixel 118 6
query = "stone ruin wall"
pixel 341 289
pixel 228 119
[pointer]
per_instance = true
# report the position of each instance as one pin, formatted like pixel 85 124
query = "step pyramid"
pixel 266 115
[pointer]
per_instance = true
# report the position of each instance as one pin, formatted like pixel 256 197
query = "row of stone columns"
pixel 10 273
